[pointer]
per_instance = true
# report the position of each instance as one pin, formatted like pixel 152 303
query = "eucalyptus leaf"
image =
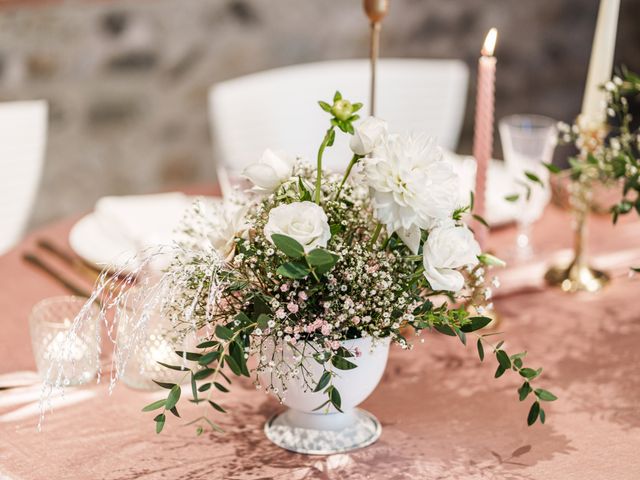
pixel 223 332
pixel 476 324
pixel 166 385
pixel 209 357
pixel 293 270
pixel 263 321
pixel 192 356
pixel 342 363
pixel 221 387
pixel 545 395
pixel 551 167
pixel 533 413
pixel 529 373
pixel 173 367
pixel 154 406
pixel 204 387
pixel 335 398
pixel 480 219
pixel 320 256
pixel 160 419
pixel 533 177
pixel 217 407
pixel 480 349
pixel 287 245
pixel 173 397
pixel 524 391
pixel 323 382
pixel 445 329
pixel 204 373
pixel 503 359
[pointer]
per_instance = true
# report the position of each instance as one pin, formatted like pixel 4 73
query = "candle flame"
pixel 490 43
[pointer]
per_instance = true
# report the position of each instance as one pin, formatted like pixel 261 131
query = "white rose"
pixel 448 248
pixel 227 225
pixel 369 134
pixel 271 171
pixel 305 222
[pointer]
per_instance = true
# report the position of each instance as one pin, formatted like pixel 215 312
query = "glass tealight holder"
pixel 66 352
pixel 144 341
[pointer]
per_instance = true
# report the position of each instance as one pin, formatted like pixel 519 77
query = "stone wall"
pixel 127 79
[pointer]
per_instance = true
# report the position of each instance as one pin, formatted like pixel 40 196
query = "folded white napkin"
pixel 499 185
pixel 142 220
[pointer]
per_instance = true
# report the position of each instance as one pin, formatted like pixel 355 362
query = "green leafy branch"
pixel 226 349
pixel 339 360
pixel 515 363
pixel 457 323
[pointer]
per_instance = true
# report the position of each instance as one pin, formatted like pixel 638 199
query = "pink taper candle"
pixel 483 129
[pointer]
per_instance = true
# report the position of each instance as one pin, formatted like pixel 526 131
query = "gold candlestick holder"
pixel 579 276
pixel 376 10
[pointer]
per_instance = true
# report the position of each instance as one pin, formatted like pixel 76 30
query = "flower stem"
pixel 352 163
pixel 323 145
pixel 376 234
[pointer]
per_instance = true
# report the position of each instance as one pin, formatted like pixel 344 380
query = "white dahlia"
pixel 411 184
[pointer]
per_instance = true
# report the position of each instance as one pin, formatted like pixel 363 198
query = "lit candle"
pixel 601 63
pixel 483 129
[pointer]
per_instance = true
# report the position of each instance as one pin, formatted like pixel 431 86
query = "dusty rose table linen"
pixel 443 415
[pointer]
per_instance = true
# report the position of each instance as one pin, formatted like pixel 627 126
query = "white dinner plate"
pixel 102 244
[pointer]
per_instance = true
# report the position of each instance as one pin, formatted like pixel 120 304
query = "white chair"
pixel 23 133
pixel 278 108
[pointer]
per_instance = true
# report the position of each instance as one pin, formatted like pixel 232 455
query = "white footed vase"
pixel 304 428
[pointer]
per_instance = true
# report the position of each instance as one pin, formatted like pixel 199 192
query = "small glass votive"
pixel 66 353
pixel 146 342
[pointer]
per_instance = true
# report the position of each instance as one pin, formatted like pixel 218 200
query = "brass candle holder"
pixel 579 276
pixel 376 10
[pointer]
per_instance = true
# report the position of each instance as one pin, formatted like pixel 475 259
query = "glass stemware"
pixel 528 141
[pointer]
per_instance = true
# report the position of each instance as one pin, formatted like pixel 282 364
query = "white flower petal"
pixel 410 237
pixel 305 222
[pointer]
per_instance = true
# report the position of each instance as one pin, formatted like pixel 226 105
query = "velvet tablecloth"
pixel 443 414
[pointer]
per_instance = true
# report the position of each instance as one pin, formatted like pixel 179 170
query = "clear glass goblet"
pixel 528 142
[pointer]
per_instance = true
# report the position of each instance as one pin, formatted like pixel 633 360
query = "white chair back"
pixel 278 108
pixel 23 133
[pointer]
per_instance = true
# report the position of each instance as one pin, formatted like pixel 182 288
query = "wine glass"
pixel 528 142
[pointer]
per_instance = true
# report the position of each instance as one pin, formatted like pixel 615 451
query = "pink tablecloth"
pixel 443 415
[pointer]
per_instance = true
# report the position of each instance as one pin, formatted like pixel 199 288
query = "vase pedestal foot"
pixel 576 278
pixel 323 434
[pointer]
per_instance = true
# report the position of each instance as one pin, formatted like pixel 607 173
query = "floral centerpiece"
pixel 610 155
pixel 302 283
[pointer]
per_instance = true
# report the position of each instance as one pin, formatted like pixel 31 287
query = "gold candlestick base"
pixel 577 278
